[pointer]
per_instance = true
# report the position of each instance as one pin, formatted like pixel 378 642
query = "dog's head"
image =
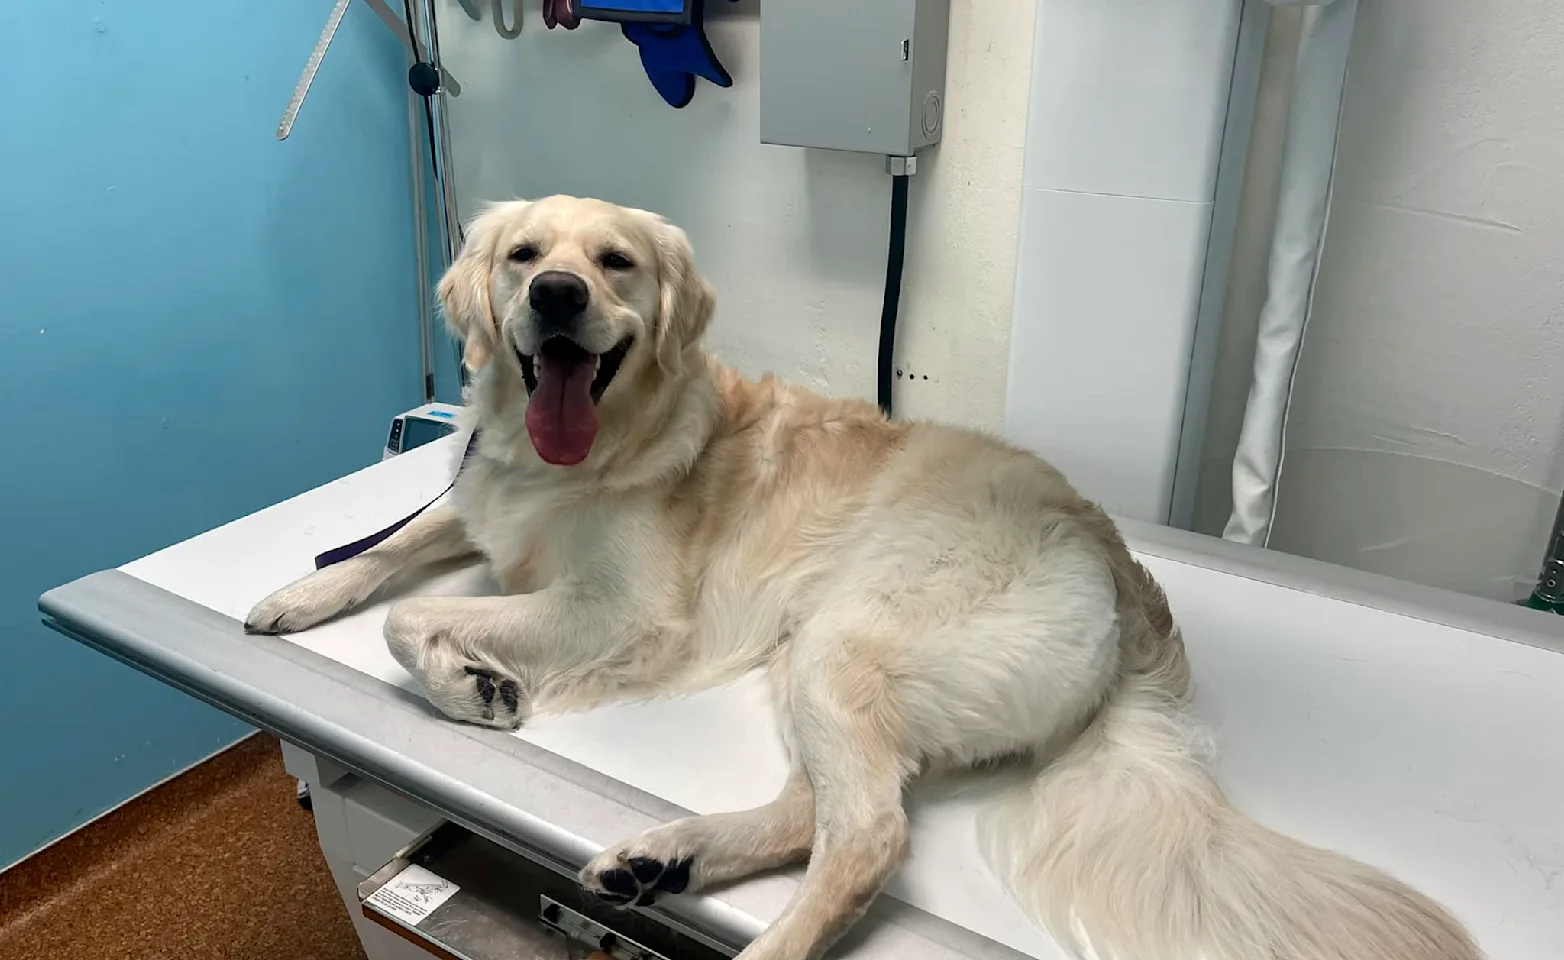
pixel 591 302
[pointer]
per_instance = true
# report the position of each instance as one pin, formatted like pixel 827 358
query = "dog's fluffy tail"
pixel 1123 848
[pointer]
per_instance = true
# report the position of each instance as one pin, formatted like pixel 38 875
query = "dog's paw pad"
pixel 675 877
pixel 492 686
pixel 620 883
pixel 640 880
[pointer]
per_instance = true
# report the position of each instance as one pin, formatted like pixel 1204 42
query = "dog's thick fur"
pixel 920 596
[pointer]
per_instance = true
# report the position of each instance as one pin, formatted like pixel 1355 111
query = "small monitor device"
pixel 636 11
pixel 419 426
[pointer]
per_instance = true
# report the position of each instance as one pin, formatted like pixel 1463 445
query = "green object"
pixel 1548 595
pixel 1539 602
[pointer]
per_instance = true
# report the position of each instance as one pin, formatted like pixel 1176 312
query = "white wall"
pixel 1129 112
pixel 1425 436
pixel 794 240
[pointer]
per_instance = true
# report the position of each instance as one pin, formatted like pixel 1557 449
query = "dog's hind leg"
pixel 849 736
pixel 699 852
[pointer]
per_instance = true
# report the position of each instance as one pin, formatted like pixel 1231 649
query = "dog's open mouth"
pixel 565 383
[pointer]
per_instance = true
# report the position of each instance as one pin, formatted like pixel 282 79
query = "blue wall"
pixel 196 321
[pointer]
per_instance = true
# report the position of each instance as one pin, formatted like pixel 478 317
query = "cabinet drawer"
pixel 459 896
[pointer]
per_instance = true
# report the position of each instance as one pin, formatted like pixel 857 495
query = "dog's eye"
pixel 526 253
pixel 614 260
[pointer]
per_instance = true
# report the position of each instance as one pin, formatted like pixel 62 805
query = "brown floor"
pixel 218 864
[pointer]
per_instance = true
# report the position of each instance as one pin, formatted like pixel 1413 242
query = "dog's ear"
pixel 465 289
pixel 687 300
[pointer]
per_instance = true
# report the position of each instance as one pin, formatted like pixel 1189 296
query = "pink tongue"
pixel 561 417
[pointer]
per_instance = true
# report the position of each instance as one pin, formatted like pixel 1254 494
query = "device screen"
pixel 420 431
pixel 666 11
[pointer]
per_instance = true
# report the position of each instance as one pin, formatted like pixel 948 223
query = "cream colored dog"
pixel 920 596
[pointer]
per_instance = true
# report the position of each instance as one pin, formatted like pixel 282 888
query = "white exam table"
pixel 1417 730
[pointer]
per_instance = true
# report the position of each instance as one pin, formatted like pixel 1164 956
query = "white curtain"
pixel 1303 209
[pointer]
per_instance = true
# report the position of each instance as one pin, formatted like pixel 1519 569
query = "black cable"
pixel 894 257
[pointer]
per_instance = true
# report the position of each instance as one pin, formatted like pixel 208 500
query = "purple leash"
pixel 351 550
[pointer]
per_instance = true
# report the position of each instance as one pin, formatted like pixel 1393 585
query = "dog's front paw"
pixel 421 634
pixel 635 873
pixel 310 601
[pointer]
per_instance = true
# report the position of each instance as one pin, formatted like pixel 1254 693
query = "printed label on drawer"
pixel 413 894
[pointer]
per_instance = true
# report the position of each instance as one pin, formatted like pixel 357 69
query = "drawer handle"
pixel 611 945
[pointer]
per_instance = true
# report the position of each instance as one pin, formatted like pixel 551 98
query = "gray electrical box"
pixel 860 75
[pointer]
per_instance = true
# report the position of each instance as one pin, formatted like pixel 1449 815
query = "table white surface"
pixel 1433 751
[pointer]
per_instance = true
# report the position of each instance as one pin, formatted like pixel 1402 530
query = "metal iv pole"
pixel 431 81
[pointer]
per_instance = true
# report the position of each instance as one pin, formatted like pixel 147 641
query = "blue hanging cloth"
pixel 669 34
pixel 674 54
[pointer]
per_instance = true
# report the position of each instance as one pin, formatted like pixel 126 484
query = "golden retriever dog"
pixel 920 596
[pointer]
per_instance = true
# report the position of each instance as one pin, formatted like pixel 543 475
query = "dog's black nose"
pixel 557 296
